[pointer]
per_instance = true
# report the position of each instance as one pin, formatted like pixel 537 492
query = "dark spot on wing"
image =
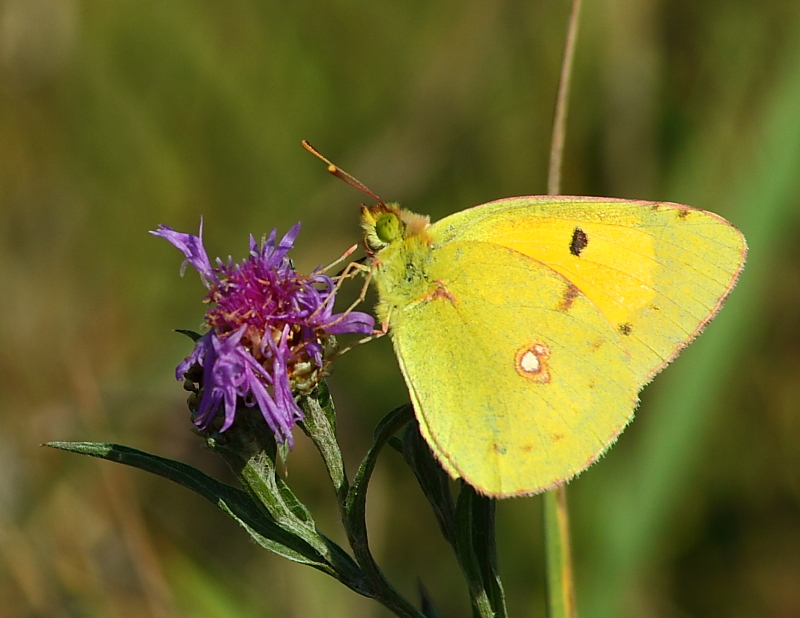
pixel 527 448
pixel 557 437
pixel 683 213
pixel 578 242
pixel 570 294
pixel 625 329
pixel 499 449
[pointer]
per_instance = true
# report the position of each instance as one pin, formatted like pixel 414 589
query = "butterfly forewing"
pixel 657 271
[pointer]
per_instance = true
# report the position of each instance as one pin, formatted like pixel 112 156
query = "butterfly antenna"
pixel 341 174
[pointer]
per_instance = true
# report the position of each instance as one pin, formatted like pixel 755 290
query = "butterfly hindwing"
pixel 516 386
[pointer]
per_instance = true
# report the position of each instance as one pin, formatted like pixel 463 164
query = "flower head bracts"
pixel 270 329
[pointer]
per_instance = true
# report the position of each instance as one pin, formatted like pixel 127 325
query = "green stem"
pixel 560 587
pixel 560 120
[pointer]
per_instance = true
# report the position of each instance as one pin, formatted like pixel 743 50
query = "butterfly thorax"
pixel 402 253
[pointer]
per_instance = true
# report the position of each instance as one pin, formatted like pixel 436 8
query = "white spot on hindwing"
pixel 531 362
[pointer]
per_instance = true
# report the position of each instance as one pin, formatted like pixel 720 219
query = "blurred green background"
pixel 118 115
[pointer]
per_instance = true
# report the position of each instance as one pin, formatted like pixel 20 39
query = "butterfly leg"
pixel 348 272
pixel 341 259
pixel 377 334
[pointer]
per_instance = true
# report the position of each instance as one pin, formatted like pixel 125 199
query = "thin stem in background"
pixel 560 589
pixel 560 582
pixel 560 120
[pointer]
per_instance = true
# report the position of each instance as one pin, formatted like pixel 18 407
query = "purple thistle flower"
pixel 270 328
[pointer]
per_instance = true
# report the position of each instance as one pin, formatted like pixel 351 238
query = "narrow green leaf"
pixel 433 480
pixel 475 548
pixel 251 452
pixel 483 535
pixel 189 333
pixel 357 496
pixel 396 443
pixel 257 473
pixel 355 521
pixel 237 504
pixel 233 501
pixel 320 425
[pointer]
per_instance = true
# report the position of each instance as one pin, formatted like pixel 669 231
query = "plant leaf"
pixel 433 480
pixel 236 503
pixel 256 470
pixel 475 548
pixel 189 333
pixel 355 521
pixel 320 425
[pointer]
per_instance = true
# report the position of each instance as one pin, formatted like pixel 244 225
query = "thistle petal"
pixel 192 247
pixel 264 319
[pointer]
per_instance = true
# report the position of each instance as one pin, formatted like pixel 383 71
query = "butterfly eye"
pixel 387 227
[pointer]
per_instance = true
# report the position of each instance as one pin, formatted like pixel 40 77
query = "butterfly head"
pixel 385 224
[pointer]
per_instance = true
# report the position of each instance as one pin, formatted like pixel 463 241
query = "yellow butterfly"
pixel 526 327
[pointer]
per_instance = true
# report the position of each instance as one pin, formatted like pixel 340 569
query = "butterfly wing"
pixel 658 272
pixel 517 380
